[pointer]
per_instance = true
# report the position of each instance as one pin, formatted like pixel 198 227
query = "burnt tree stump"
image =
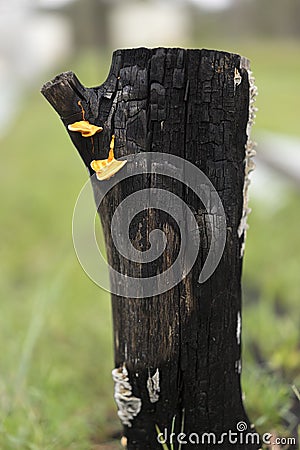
pixel 177 350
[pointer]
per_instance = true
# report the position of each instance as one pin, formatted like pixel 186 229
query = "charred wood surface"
pixel 185 103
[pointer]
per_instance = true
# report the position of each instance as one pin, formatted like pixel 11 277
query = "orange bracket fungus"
pixel 84 126
pixel 107 168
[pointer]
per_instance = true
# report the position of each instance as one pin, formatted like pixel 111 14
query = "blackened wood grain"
pixel 184 103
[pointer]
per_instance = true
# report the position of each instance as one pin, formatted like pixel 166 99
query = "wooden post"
pixel 177 352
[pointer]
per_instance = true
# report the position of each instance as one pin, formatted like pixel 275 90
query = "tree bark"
pixel 177 353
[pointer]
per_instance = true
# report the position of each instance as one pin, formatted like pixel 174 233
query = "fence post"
pixel 181 121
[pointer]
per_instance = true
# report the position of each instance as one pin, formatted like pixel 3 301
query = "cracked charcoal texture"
pixel 181 102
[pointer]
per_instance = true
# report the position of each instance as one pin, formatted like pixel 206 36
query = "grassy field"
pixel 55 325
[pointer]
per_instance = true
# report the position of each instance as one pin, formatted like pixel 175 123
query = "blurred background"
pixel 55 324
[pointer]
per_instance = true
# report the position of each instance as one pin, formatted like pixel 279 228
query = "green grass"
pixel 271 316
pixel 55 325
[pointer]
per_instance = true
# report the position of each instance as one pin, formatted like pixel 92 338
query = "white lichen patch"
pixel 153 387
pixel 237 78
pixel 249 153
pixel 128 405
pixel 238 328
pixel 238 366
